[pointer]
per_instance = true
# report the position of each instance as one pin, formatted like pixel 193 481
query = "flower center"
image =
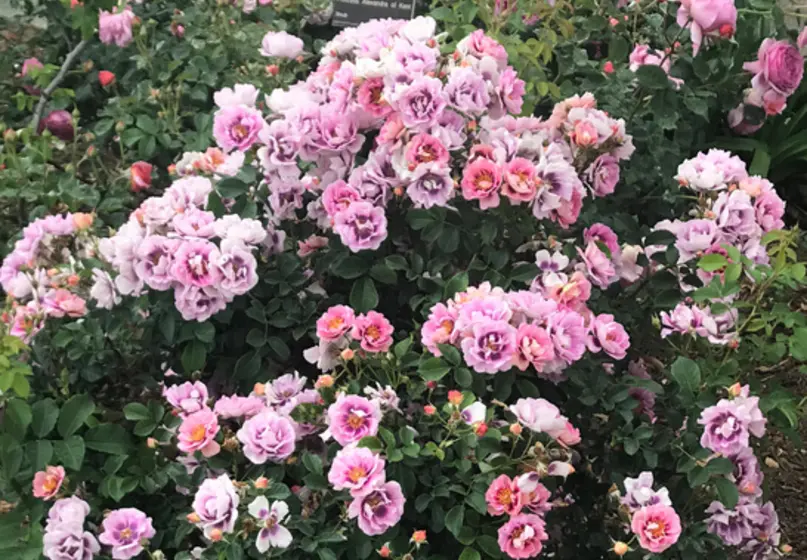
pixel 50 483
pixel 373 332
pixel 484 182
pixel 447 325
pixel 198 433
pixel 239 131
pixel 126 534
pixel 656 529
pixel 355 421
pixel 356 474
pixel 505 496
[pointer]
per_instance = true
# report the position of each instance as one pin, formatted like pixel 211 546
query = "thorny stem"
pixel 48 91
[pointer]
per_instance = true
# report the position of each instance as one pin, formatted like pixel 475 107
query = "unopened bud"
pixel 620 548
pixel 455 398
pixel 193 517
pixel 480 429
pixel 10 135
pixel 735 390
pixel 216 535
pixel 152 443
pixel 419 537
pixel 516 429
pixel 324 381
pixel 347 354
pixel 273 69
pixel 259 389
pixel 119 126
pixel 261 482
pixel 726 30
pixel 431 385
pixel 384 551
pixel 230 444
pixel 786 549
pixel 82 220
pixel 429 410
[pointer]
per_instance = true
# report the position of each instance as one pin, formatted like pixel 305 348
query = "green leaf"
pixel 39 453
pixel 205 332
pixel 761 163
pixel 136 411
pixel 371 442
pixel 73 414
pixel 457 283
pixel 231 187
pixel 70 452
pixel 463 377
pixel 720 465
pixel 108 438
pixel 256 338
pixel 712 262
pixel 727 491
pixel 247 365
pixel 798 344
pixel 698 477
pixel 687 374
pixel 363 295
pixel 454 519
pixel 194 356
pixel 489 546
pixel 652 77
pixel 469 554
pixel 279 348
pixel 313 463
pixel 433 369
pixel 17 418
pixel 384 274
pixel 618 49
pixel 45 413
pixel 350 267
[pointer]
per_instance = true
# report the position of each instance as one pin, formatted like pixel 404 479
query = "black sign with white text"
pixel 353 12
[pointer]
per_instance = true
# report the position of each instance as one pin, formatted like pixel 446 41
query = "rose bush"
pixel 387 315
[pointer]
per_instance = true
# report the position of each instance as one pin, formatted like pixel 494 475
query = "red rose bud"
pixel 273 69
pixel 431 385
pixel 726 30
pixel 480 429
pixel 106 78
pixel 140 176
pixel 384 551
pixel 429 410
pixel 608 67
pixel 60 124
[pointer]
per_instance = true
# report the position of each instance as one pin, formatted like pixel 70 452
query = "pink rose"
pixel 197 433
pixel 335 322
pixel 658 527
pixel 358 470
pixel 503 496
pixel 707 17
pixel 779 66
pixel 374 332
pixel 48 482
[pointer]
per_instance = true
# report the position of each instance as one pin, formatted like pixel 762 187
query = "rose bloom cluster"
pixel 172 243
pixel 778 71
pixel 498 330
pixel 727 427
pixel 340 325
pixel 267 432
pixel 45 276
pixel 734 209
pixel 654 521
pixel 441 125
pixel 125 531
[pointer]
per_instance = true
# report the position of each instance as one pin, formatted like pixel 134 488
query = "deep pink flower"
pixel 599 267
pixel 28 64
pixel 237 127
pixel 491 346
pixel 522 536
pixel 603 234
pixel 48 482
pixel 481 181
pixel 358 470
pixel 658 527
pixel 353 417
pixel 533 347
pixel 378 510
pixel 371 97
pixel 361 226
pixel 338 196
pixel 503 496
pixel 425 148
pixel 61 302
pixel 374 332
pixel 335 322
pixel 126 531
pixel 568 331
pixel 197 433
pixel 439 328
pixel 610 336
pixel 60 124
pixel 194 263
pixel 519 180
pixel 511 91
pixel 779 66
pixel 267 436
